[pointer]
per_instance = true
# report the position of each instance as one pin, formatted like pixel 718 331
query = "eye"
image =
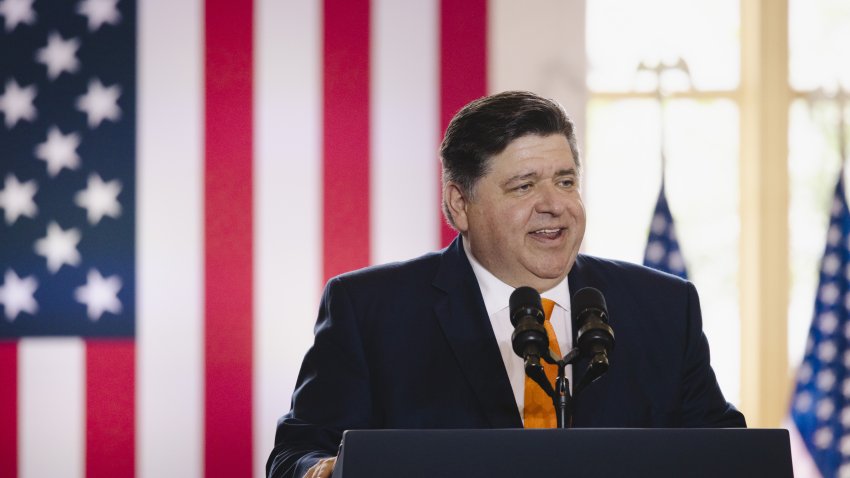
pixel 523 187
pixel 567 182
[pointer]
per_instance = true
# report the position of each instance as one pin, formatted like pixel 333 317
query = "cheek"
pixel 500 229
pixel 518 213
pixel 513 222
pixel 576 209
pixel 503 224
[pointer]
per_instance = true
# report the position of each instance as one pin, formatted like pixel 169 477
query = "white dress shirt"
pixel 496 295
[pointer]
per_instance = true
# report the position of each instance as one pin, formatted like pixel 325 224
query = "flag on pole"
pixel 820 406
pixel 662 247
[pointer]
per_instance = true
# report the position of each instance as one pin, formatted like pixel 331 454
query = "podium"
pixel 597 453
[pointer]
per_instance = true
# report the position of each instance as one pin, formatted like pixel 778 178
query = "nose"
pixel 550 200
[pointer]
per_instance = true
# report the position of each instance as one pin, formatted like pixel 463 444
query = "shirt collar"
pixel 496 293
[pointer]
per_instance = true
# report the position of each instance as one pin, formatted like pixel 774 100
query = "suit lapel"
pixel 463 318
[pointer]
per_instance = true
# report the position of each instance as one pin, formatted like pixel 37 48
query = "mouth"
pixel 549 234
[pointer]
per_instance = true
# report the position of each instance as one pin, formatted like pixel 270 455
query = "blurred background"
pixel 179 180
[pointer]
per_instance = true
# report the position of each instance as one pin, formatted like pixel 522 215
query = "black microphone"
pixel 595 338
pixel 530 340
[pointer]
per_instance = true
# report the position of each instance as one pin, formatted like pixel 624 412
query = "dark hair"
pixel 487 126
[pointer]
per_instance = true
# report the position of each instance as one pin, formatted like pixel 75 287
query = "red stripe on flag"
pixel 463 65
pixel 9 409
pixel 346 136
pixel 228 238
pixel 110 408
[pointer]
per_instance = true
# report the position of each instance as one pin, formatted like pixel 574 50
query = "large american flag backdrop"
pixel 178 180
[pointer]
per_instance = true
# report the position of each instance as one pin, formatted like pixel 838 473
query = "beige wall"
pixel 539 45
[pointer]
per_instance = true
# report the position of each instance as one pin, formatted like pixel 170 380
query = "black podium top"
pixel 594 453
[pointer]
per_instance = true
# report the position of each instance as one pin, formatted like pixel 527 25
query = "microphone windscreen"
pixel 522 300
pixel 588 298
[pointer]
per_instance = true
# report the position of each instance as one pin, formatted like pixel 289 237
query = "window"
pixel 623 164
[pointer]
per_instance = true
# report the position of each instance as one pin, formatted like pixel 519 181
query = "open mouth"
pixel 548 234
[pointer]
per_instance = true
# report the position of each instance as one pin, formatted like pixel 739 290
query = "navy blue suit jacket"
pixel 410 345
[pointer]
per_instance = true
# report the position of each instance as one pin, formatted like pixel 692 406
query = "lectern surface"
pixel 597 453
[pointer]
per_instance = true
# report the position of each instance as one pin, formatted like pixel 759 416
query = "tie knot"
pixel 548 305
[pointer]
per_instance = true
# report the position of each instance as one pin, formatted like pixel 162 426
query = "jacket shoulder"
pixel 416 271
pixel 616 270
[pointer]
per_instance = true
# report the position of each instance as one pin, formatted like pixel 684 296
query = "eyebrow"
pixel 532 175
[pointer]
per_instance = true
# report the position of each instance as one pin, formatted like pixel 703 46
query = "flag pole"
pixel 842 98
pixel 662 248
pixel 662 95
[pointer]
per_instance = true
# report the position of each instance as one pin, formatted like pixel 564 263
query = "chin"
pixel 550 274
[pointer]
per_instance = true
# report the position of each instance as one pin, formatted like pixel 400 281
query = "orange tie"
pixel 538 411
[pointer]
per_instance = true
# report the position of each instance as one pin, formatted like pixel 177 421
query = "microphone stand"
pixel 561 398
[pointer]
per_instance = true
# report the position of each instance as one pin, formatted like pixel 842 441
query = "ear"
pixel 457 205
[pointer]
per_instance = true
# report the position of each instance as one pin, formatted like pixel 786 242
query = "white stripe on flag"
pixel 51 407
pixel 170 240
pixel 405 129
pixel 287 204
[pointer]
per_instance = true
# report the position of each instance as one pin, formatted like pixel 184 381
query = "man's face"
pixel 526 220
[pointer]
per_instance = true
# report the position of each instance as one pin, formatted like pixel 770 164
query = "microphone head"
pixel 594 337
pixel 587 299
pixel 525 302
pixel 590 314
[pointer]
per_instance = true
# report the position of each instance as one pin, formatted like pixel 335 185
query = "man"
pixel 426 343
